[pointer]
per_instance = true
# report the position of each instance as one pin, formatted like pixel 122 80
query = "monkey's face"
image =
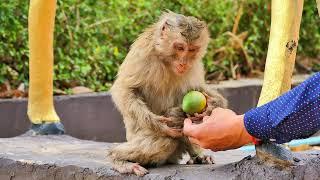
pixel 182 42
pixel 184 55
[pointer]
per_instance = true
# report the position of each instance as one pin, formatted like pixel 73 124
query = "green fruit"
pixel 194 102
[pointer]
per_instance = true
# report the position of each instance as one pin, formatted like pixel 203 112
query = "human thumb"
pixel 187 127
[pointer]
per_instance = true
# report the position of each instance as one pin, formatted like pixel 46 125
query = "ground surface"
pixel 64 157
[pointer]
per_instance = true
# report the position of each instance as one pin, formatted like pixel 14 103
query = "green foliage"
pixel 13 41
pixel 93 37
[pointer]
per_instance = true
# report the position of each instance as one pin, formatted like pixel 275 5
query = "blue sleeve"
pixel 294 115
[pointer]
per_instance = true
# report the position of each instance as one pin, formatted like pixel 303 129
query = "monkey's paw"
pixel 139 170
pixel 201 160
pixel 196 118
pixel 131 168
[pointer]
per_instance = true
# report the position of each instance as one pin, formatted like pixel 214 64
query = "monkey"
pixel 163 64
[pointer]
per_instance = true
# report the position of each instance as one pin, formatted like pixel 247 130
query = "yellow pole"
pixel 41 27
pixel 283 42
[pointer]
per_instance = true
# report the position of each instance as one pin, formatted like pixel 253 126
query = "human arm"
pixel 296 114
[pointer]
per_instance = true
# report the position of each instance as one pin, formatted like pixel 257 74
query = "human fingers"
pixel 190 129
pixel 220 112
pixel 216 110
pixel 206 118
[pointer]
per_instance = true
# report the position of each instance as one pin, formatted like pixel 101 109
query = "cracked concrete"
pixel 65 157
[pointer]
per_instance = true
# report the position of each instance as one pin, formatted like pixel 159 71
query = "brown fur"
pixel 146 90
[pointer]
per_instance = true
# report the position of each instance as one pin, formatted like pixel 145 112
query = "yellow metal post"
pixel 283 42
pixel 41 27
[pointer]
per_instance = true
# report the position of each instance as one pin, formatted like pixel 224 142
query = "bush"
pixel 93 37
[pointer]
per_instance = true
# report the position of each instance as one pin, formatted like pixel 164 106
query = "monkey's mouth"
pixel 180 70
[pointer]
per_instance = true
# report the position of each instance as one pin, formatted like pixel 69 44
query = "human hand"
pixel 222 130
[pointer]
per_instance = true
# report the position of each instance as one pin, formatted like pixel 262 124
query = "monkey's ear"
pixel 167 25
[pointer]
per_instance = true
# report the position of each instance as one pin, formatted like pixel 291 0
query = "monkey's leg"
pixel 141 151
pixel 176 156
pixel 196 154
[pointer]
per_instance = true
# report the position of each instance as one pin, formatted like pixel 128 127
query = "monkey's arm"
pixel 176 117
pixel 131 104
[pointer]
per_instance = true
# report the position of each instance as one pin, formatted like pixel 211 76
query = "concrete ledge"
pixel 65 158
pixel 94 117
pixel 89 116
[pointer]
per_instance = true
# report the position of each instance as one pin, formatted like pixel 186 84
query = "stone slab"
pixel 68 158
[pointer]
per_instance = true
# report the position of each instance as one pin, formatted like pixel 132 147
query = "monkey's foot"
pixel 130 168
pixel 201 160
pixel 275 154
pixel 47 129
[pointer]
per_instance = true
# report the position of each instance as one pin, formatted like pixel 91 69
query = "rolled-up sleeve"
pixel 294 115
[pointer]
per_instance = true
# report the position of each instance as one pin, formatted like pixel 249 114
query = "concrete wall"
pixel 94 117
pixel 90 116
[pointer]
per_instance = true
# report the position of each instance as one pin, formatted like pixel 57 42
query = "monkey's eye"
pixel 180 48
pixel 193 49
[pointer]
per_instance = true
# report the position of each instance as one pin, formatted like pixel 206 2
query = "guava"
pixel 194 102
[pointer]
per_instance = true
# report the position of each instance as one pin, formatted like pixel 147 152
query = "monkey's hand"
pixel 173 122
pixel 214 99
pixel 169 127
pixel 175 118
pixel 211 104
pixel 196 117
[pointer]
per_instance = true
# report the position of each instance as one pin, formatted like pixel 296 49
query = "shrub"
pixel 93 37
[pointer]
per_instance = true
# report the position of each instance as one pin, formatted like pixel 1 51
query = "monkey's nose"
pixel 182 65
